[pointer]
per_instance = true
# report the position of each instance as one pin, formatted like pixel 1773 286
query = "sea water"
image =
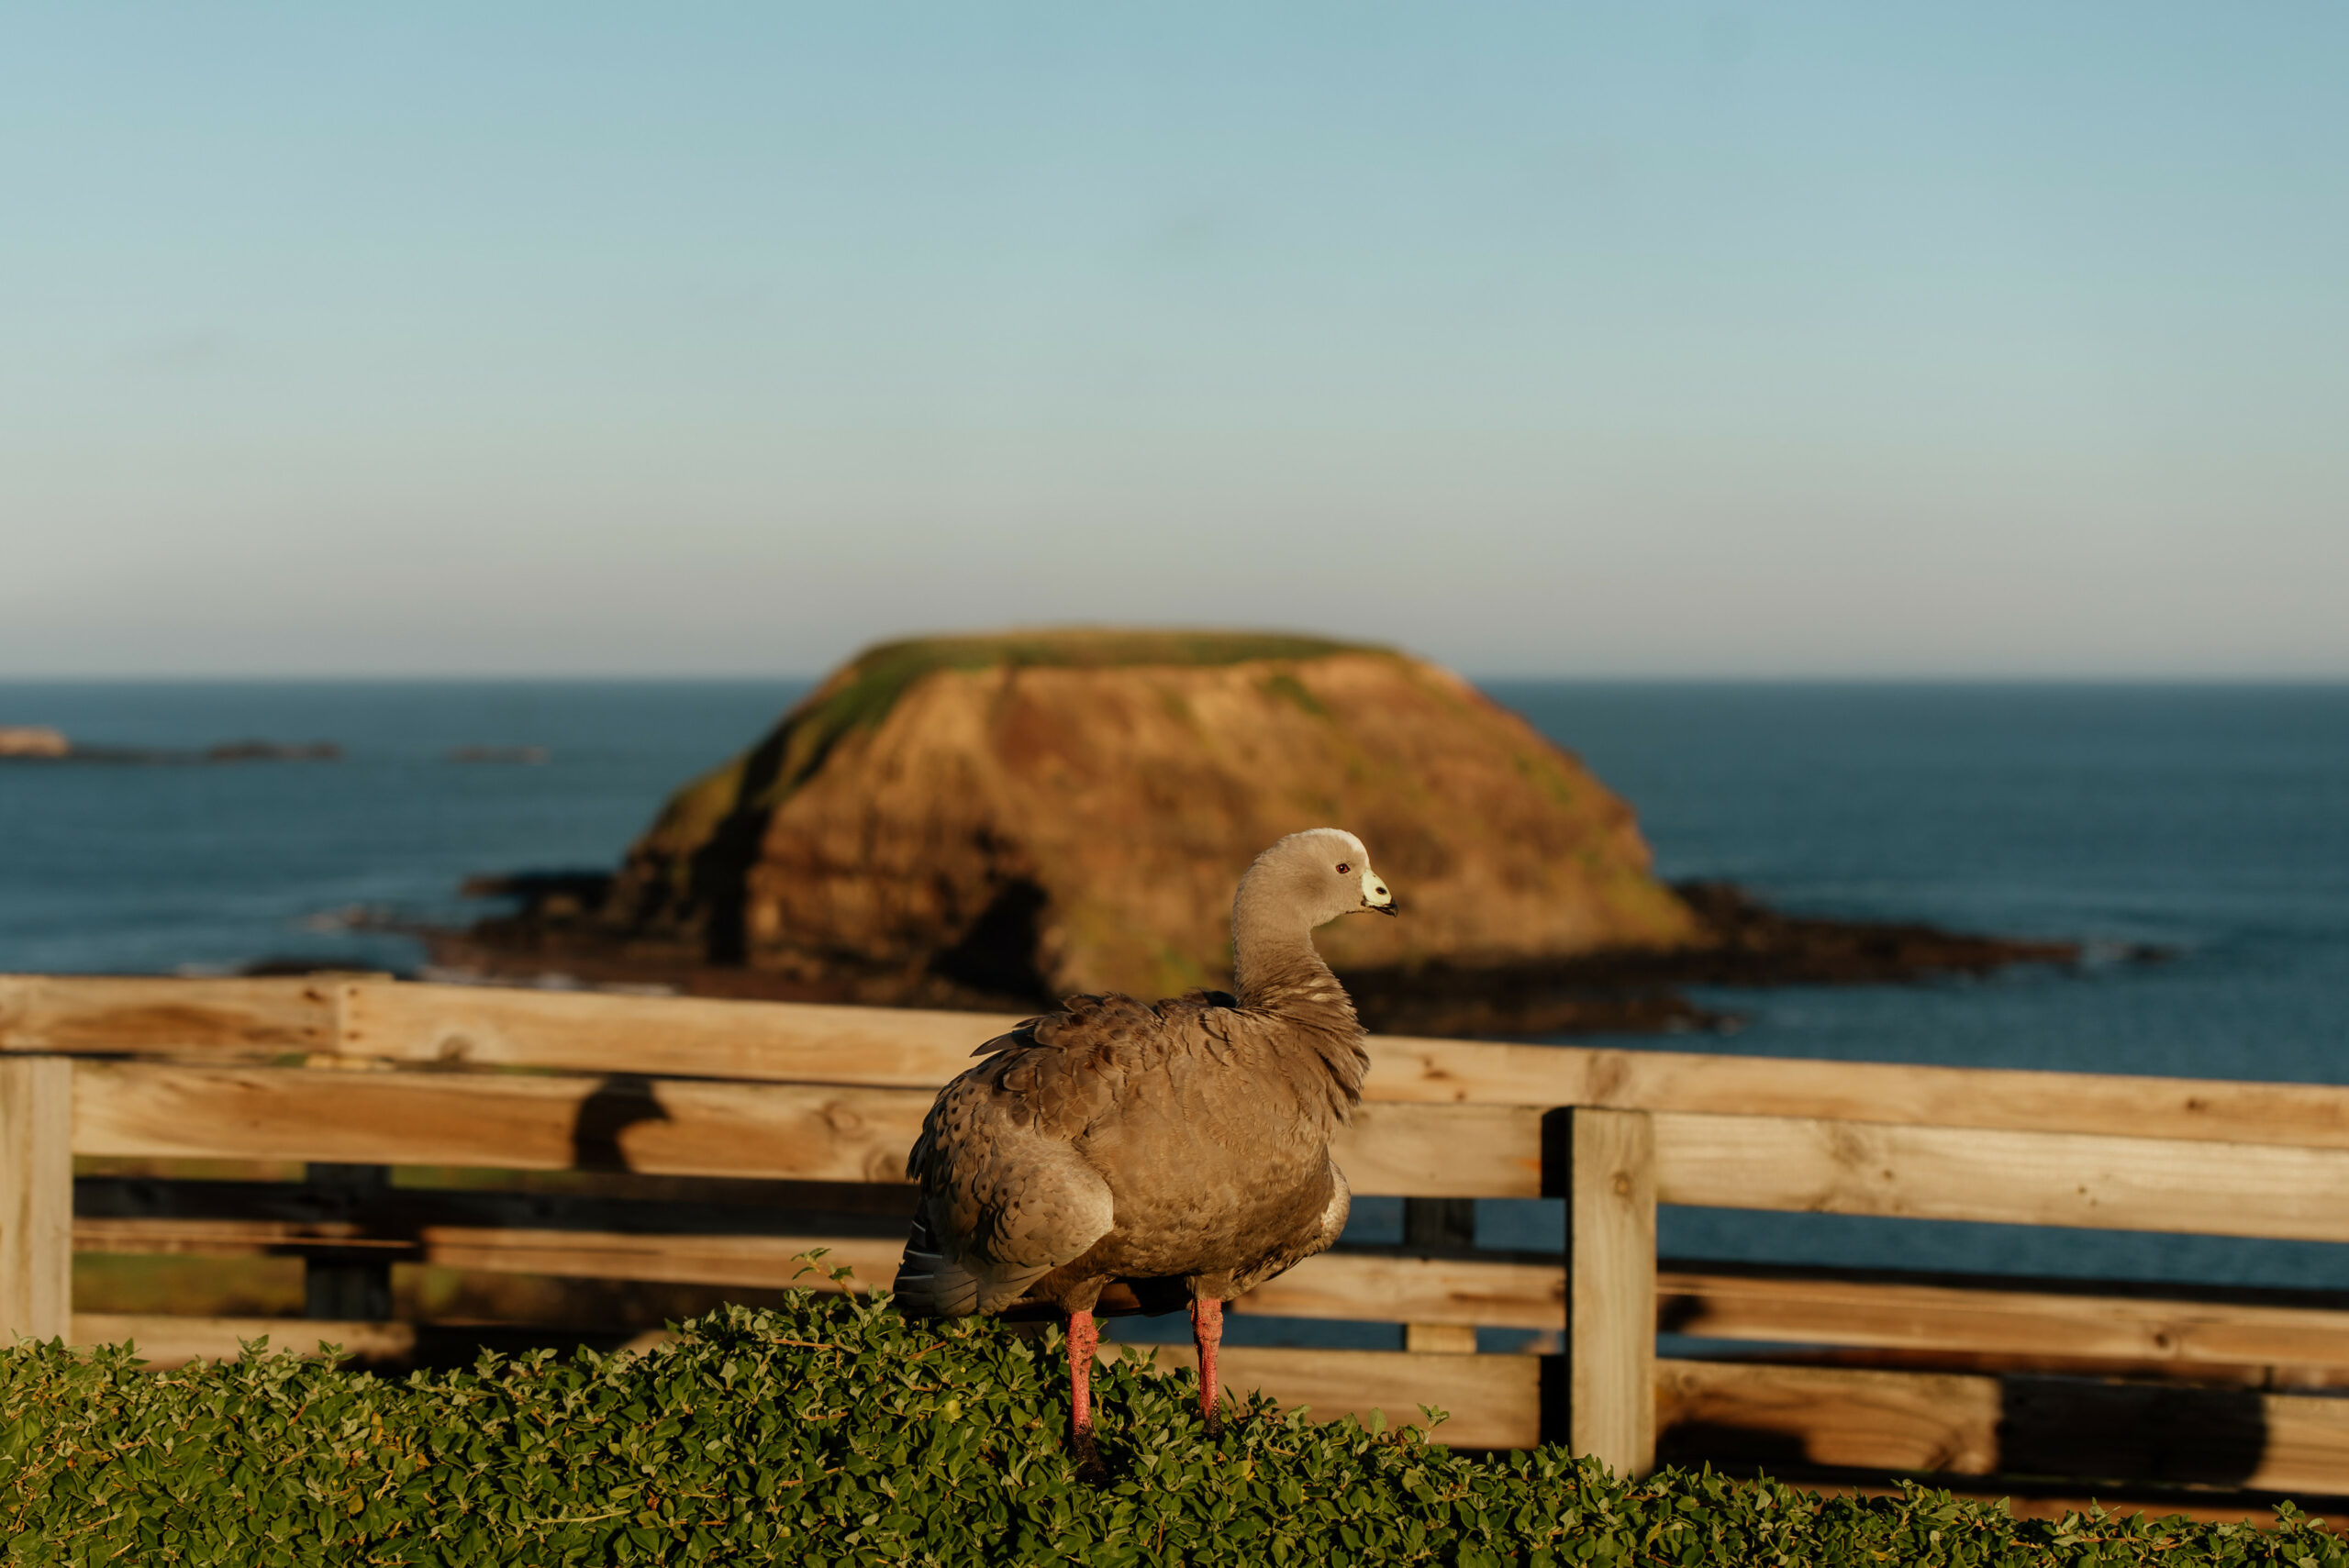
pixel 2209 822
pixel 195 868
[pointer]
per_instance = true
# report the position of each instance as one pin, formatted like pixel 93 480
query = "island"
pixel 998 821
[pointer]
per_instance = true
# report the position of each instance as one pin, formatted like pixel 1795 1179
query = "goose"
pixel 1124 1156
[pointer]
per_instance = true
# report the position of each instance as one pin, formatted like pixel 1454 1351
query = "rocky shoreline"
pixel 1742 943
pixel 995 821
pixel 38 744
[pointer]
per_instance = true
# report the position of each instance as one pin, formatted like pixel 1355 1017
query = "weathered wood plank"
pixel 756 1262
pixel 913 1049
pixel 152 1015
pixel 167 1341
pixel 782 1042
pixel 778 1132
pixel 2222 1437
pixel 1939 1317
pixel 831 1133
pixel 2143 1333
pixel 232 1237
pixel 663 1126
pixel 372 1020
pixel 1443 1151
pixel 1610 1288
pixel 1469 1071
pixel 1448 1226
pixel 1493 1401
pixel 777 1261
pixel 665 1036
pixel 1455 1292
pixel 36 1197
pixel 2016 1178
pixel 1870 1420
pixel 1978 1426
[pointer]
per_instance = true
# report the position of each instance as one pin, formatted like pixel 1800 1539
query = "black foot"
pixel 1215 1425
pixel 1089 1468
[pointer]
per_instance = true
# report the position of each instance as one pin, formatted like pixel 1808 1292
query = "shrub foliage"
pixel 834 1431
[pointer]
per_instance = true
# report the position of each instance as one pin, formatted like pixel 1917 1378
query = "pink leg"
pixel 1206 1332
pixel 1084 1339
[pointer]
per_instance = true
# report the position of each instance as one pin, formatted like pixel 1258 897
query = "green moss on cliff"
pixel 861 694
pixel 1289 689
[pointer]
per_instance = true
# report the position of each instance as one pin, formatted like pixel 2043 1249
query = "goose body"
pixel 1129 1156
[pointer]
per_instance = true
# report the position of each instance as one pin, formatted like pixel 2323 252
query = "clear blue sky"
pixel 1866 339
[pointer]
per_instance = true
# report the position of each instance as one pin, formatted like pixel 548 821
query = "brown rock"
pixel 1039 814
pixel 32 740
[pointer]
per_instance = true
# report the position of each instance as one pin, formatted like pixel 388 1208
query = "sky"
pixel 1563 340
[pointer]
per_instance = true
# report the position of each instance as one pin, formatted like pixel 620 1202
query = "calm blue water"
pixel 2209 820
pixel 2213 821
pixel 200 868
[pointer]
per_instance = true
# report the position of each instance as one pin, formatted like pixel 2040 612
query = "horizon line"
pixel 1849 678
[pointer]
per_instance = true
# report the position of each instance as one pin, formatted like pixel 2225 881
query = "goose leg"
pixel 1206 1333
pixel 1084 1339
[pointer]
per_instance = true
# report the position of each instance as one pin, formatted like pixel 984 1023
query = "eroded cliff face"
pixel 1035 814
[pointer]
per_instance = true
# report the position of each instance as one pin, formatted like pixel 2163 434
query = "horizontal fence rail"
pixel 824 1132
pixel 678 1126
pixel 368 1021
pixel 652 1144
pixel 1781 1307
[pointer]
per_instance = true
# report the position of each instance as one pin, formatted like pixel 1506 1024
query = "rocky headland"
pixel 39 744
pixel 998 821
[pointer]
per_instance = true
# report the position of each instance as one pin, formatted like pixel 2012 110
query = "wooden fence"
pixel 715 1142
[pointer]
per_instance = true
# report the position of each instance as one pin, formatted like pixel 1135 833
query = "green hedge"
pixel 836 1432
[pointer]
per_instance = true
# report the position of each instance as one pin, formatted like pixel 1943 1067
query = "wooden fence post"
pixel 349 1289
pixel 1445 1225
pixel 36 1197
pixel 1608 1164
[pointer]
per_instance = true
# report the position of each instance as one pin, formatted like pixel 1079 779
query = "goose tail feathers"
pixel 932 1282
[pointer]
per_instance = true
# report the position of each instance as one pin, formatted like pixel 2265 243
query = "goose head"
pixel 1319 875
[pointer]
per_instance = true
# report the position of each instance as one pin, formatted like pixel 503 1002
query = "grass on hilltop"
pixel 861 694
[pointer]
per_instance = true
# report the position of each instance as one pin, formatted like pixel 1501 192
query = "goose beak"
pixel 1374 897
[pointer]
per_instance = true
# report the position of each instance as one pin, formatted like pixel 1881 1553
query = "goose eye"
pixel 1341 868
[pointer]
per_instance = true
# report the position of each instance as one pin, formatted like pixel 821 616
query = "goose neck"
pixel 1275 968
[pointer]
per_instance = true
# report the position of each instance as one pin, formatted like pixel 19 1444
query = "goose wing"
pixel 1005 1196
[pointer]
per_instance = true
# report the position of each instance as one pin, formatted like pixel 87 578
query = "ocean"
pixel 2209 822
